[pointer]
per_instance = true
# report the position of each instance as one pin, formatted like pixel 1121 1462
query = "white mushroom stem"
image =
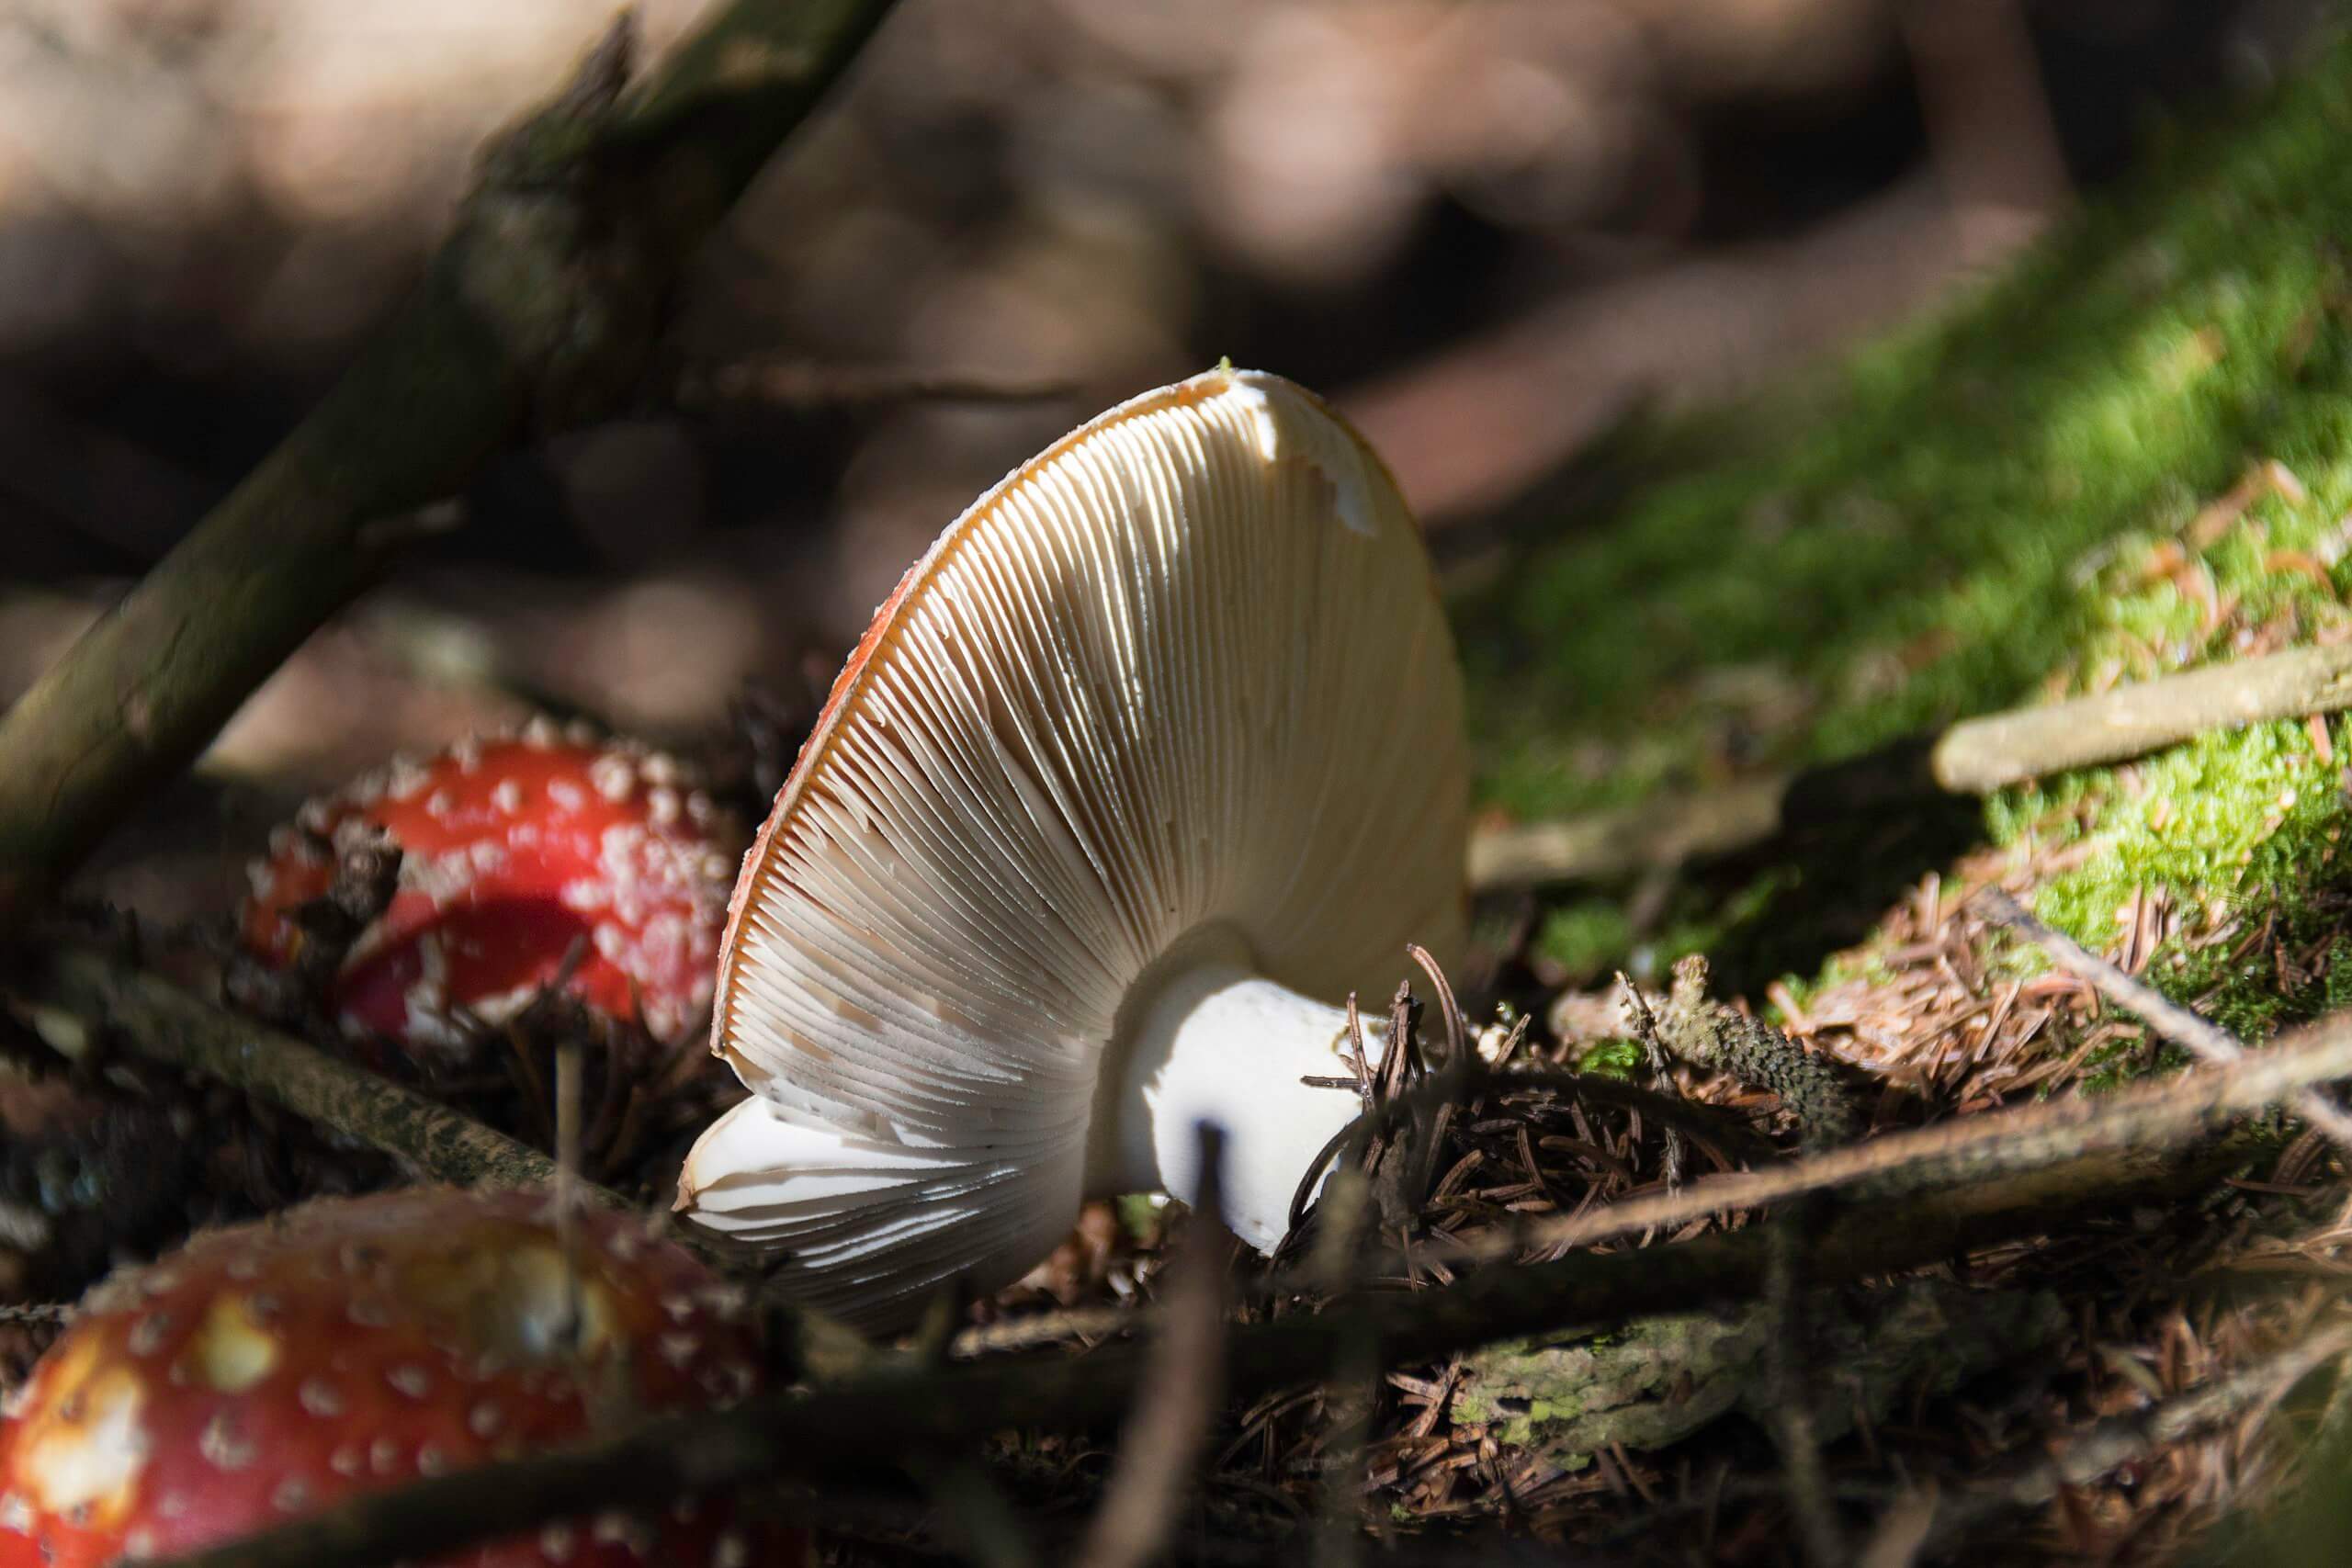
pixel 876 1223
pixel 1215 1041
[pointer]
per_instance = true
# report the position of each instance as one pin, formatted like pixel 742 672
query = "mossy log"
pixel 1657 1380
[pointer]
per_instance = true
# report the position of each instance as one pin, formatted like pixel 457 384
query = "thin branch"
pixel 64 990
pixel 1790 1414
pixel 1065 1326
pixel 2198 1036
pixel 1182 1377
pixel 1663 832
pixel 1975 756
pixel 1979 755
pixel 541 308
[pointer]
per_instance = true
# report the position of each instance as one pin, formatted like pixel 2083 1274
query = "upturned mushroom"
pixel 268 1372
pixel 1148 763
pixel 514 852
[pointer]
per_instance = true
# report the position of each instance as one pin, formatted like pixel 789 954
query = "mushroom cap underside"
pixel 1184 670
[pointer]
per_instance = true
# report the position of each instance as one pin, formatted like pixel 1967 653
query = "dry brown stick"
pixel 1345 1216
pixel 1790 1418
pixel 1971 1149
pixel 2198 1035
pixel 1182 1381
pixel 1979 755
pixel 856 1429
pixel 1062 1327
pixel 67 988
pixel 1617 843
pixel 541 309
pixel 1973 757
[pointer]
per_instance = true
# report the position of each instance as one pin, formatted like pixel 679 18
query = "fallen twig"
pixel 65 989
pixel 1063 1326
pixel 1975 756
pixel 1787 1359
pixel 1662 832
pixel 1979 755
pixel 2198 1035
pixel 541 309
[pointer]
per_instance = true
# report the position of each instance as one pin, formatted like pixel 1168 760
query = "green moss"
pixel 2239 826
pixel 1613 1059
pixel 1141 1218
pixel 1586 938
pixel 1658 1379
pixel 1999 504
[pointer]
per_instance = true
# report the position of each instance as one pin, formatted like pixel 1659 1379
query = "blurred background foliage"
pixel 1494 229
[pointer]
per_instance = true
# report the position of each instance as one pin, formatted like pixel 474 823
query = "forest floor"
pixel 2130 456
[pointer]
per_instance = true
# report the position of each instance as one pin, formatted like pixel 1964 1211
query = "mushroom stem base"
pixel 1219 1043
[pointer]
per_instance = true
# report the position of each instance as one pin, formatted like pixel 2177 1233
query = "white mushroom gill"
pixel 1155 758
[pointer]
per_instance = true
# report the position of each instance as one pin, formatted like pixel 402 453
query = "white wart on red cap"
pixel 1149 762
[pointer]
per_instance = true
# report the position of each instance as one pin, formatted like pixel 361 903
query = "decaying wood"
pixel 541 308
pixel 1654 1381
pixel 1179 1395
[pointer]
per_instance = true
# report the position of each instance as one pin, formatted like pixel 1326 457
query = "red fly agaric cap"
pixel 269 1372
pixel 514 850
pixel 1151 761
